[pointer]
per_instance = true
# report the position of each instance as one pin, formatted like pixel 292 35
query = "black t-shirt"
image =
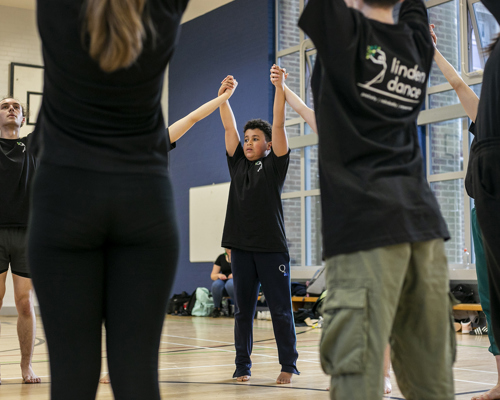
pixel 17 168
pixel 110 122
pixel 254 216
pixel 225 267
pixel 368 85
pixel 488 115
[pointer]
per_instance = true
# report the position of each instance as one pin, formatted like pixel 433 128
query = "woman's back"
pixel 91 119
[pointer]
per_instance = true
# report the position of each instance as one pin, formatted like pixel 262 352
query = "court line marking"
pixel 213 366
pixel 229 351
pixel 232 343
pixel 479 383
pixel 275 386
pixel 476 370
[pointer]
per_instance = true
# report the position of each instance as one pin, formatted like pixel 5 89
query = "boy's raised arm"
pixel 280 141
pixel 466 95
pixel 226 114
pixel 295 101
pixel 179 128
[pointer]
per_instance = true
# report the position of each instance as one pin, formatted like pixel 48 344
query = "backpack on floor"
pixel 317 308
pixel 204 304
pixel 176 305
pixel 317 285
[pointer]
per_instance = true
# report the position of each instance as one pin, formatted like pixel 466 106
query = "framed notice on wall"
pixel 26 85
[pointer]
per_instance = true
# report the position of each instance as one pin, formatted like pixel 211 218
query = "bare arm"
pixel 466 95
pixel 216 273
pixel 296 102
pixel 179 128
pixel 232 137
pixel 279 139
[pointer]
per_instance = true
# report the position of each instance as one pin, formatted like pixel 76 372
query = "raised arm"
pixel 179 128
pixel 466 95
pixel 226 114
pixel 295 101
pixel 279 139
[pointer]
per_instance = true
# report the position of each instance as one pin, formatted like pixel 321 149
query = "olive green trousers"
pixel 397 294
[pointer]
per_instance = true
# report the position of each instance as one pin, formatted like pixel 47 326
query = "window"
pixel 301 202
pixel 463 29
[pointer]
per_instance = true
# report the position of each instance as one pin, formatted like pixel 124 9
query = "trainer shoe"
pixel 216 313
pixel 479 331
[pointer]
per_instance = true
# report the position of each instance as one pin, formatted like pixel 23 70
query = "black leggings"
pixel 102 248
pixel 486 181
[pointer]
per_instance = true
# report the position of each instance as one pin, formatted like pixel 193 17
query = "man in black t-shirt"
pixel 17 167
pixel 254 231
pixel 386 268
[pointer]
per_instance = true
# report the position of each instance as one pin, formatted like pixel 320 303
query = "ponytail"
pixel 116 32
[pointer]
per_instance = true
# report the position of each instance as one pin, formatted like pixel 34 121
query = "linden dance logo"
pixel 22 144
pixel 394 88
pixel 259 164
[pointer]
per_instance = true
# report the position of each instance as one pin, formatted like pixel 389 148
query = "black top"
pixel 110 122
pixel 488 115
pixel 225 267
pixel 17 168
pixel 368 85
pixel 254 216
pixel 469 187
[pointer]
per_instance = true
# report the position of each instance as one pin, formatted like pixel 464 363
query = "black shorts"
pixel 13 251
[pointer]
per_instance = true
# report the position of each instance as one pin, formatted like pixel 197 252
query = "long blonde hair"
pixel 116 30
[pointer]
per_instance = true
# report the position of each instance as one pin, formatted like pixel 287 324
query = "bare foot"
pixel 243 378
pixel 387 384
pixel 284 377
pixel 29 376
pixel 105 379
pixel 489 395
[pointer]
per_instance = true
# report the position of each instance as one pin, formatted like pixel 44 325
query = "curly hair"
pixel 264 126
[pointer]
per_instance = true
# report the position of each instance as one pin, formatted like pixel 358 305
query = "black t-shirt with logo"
pixel 225 266
pixel 368 85
pixel 17 169
pixel 254 216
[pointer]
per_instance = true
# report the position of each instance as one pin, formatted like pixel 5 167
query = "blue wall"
pixel 236 39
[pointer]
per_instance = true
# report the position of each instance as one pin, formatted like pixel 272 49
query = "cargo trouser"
pixel 400 294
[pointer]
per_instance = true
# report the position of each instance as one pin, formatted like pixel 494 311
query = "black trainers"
pixel 479 331
pixel 216 313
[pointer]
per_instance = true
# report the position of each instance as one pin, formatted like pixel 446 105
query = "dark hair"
pixel 117 30
pixel 492 45
pixel 264 126
pixel 24 109
pixel 381 3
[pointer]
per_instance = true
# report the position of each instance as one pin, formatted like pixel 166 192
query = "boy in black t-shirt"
pixel 254 231
pixel 382 230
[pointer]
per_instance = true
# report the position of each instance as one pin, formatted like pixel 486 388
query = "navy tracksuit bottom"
pixel 272 270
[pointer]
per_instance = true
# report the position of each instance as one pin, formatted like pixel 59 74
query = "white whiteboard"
pixel 207 213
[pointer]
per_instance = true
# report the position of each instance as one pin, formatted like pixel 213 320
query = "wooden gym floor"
pixel 197 362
